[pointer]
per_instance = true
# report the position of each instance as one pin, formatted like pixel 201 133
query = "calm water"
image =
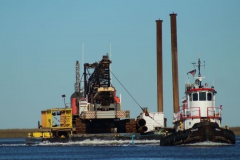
pixel 16 149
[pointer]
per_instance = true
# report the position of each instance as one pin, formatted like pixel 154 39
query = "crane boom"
pixel 77 84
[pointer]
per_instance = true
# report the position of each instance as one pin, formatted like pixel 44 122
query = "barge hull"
pixel 82 137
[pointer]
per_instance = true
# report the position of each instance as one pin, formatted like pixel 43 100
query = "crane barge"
pixel 95 113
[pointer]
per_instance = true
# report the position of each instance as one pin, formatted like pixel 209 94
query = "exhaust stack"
pixel 174 62
pixel 159 66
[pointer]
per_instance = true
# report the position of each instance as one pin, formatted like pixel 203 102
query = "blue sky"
pixel 40 42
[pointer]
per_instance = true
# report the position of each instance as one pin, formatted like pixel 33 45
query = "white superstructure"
pixel 198 104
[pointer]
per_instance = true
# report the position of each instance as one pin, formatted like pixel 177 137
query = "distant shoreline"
pixel 236 130
pixel 22 133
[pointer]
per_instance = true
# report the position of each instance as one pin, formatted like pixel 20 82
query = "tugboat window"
pixel 209 96
pixel 202 96
pixel 195 96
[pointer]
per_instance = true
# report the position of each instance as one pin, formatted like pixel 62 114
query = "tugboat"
pixel 198 119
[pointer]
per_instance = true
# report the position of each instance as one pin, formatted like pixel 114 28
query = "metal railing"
pixel 195 112
pixel 214 112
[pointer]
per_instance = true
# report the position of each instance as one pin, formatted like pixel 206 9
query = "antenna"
pixel 82 53
pixel 110 57
pixel 83 57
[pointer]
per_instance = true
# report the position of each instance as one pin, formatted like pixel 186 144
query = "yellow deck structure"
pixel 54 121
pixel 57 117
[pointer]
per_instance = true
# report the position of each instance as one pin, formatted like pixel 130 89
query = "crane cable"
pixel 127 91
pixel 145 111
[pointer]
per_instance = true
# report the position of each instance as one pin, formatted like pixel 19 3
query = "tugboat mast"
pixel 199 72
pixel 198 80
pixel 199 67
